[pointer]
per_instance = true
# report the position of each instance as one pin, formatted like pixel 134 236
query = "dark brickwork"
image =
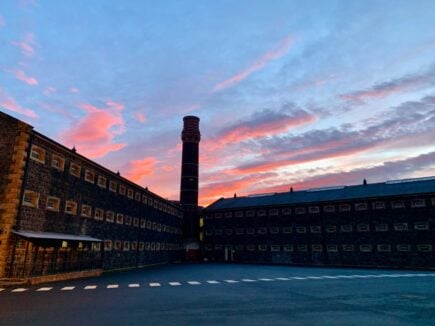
pixel 367 236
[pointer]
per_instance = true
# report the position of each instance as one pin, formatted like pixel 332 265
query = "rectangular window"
pixel 86 211
pixel 332 248
pixel 154 225
pixel 121 190
pixel 107 245
pixel 403 247
pixel 261 212
pixel 424 247
pixel 228 214
pixel 37 154
pixel 208 232
pixel 126 246
pixel 274 230
pixel 418 203
pixel 147 246
pixel 89 176
pixel 143 223
pixel 137 196
pixel 113 186
pixel 57 162
pixel 273 212
pixel 288 248
pixel 378 205
pixel 218 215
pixel 301 229
pixel 128 220
pixel 250 247
pixel 71 207
pixel 262 247
pixel 262 231
pixel 99 214
pixel 401 226
pixel 421 226
pixel 381 227
pixel 275 248
pixel 344 208
pixel 31 198
pixel 117 245
pixel 218 247
pixel 329 209
pixel 300 210
pixel 110 216
pixel 148 224
pixel 53 203
pixel 315 229
pixel 130 193
pixel 314 210
pixel 346 228
pixel 365 248
pixel 331 228
pixel 134 245
pixel 239 247
pixel 286 211
pixel 96 246
pixel 384 247
pixel 119 218
pixel 239 214
pixel 250 231
pixel 433 201
pixel 398 204
pixel 75 170
pixel 363 227
pixel 316 248
pixel 135 222
pixel 144 199
pixel 101 182
pixel 348 247
pixel 361 206
pixel 250 213
pixel 240 231
pixel 141 246
pixel 302 248
pixel 287 230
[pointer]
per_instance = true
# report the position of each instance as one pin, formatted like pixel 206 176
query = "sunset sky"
pixel 289 93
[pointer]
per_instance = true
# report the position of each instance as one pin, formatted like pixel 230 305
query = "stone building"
pixel 63 214
pixel 390 224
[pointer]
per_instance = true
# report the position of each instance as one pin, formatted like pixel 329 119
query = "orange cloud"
pixel 21 75
pixel 10 104
pixel 137 169
pixel 26 45
pixel 93 135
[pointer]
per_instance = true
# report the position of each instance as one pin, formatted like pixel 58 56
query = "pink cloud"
pixel 93 135
pixel 26 45
pixel 21 75
pixel 10 104
pixel 2 22
pixel 49 90
pixel 274 54
pixel 140 116
pixel 137 169
pixel 73 90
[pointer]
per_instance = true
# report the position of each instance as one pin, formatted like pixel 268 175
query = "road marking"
pixel 19 290
pixel 282 279
pixel 344 276
pixel 174 283
pixel 314 277
pixel 332 277
pixel 2 290
pixel 90 287
pixel 194 283
pixel 231 281
pixel 248 280
pixel 154 285
pixel 43 289
pixel 298 278
pixel 68 288
pixel 265 279
pixel 133 285
pixel 213 282
pixel 112 286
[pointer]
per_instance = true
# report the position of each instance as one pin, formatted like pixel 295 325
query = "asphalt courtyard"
pixel 228 294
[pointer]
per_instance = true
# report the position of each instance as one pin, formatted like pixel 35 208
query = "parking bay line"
pixel 44 289
pixel 90 287
pixel 194 283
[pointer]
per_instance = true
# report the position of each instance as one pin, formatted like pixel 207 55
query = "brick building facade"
pixel 389 224
pixel 61 212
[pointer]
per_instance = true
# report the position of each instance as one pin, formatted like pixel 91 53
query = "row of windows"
pixel 31 199
pixel 415 203
pixel 38 154
pixel 419 226
pixel 141 246
pixel 320 247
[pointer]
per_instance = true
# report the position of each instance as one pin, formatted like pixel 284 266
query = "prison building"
pixel 390 224
pixel 63 214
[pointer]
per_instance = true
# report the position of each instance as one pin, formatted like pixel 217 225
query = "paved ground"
pixel 219 294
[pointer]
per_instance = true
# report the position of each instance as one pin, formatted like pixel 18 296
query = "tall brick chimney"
pixel 189 180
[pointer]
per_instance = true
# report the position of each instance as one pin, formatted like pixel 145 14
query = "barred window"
pixel 273 212
pixel 378 205
pixel 122 190
pixel 147 246
pixel 37 154
pixel 89 176
pixel 99 214
pixel 418 203
pixel 361 206
pixel 286 211
pixel 208 247
pixel 133 245
pixel 113 186
pixel 239 214
pixel 119 218
pixel 240 231
pixel 363 227
pixel 57 162
pixel 348 247
pixel 117 245
pixel 126 246
pixel 86 211
pixel 262 231
pixel 329 209
pixel 384 247
pixel 250 213
pixel 141 246
pixel 71 207
pixel 315 229
pixel 228 214
pixel 401 226
pixel 381 227
pixel 313 209
pixel 433 201
pixel 148 224
pixel 154 225
pixel 208 232
pixel 421 226
pixel 302 248
pixel 239 247
pixel 346 228
pixel 344 208
pixel 398 204
pixel 332 248
pixel 275 248
pixel 75 170
pixel 366 248
pixel 110 216
pixel 288 248
pixel 218 215
pixel 300 210
pixel 31 198
pixel 274 230
pixel 262 247
pixel 107 245
pixel 316 248
pixel 228 231
pixel 128 220
pixel 218 247
pixel 218 231
pixel 301 229
pixel 130 193
pixel 403 247
pixel 144 199
pixel 261 212
pixel 331 228
pixel 102 182
pixel 287 230
pixel 143 223
pixel 135 222
pixel 137 196
pixel 424 247
pixel 250 247
pixel 53 203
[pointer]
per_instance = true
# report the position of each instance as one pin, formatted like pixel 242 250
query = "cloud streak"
pixel 137 169
pixel 26 45
pixel 10 104
pixel 21 75
pixel 258 64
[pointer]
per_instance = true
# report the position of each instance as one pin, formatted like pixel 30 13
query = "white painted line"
pixel 282 279
pixel 153 285
pixel 361 276
pixel 43 289
pixel 134 285
pixel 2 290
pixel 112 286
pixel 194 283
pixel 231 281
pixel 314 277
pixel 213 282
pixel 298 278
pixel 345 276
pixel 68 288
pixel 174 283
pixel 332 277
pixel 90 287
pixel 266 279
pixel 248 280
pixel 19 290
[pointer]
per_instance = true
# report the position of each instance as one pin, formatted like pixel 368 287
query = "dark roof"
pixel 328 194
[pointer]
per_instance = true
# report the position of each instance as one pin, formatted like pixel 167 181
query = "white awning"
pixel 55 236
